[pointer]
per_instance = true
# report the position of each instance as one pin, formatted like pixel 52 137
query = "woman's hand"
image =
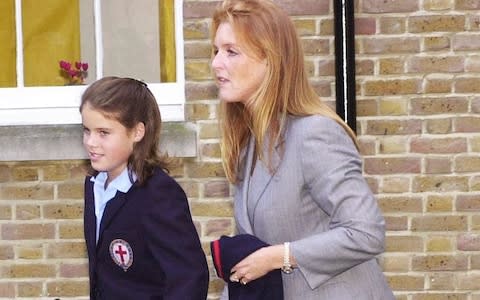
pixel 258 264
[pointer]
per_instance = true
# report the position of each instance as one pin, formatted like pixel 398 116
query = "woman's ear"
pixel 139 132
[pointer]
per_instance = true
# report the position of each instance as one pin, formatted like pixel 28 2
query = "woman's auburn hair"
pixel 265 31
pixel 130 102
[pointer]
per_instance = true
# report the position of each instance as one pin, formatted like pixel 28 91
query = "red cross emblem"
pixel 121 253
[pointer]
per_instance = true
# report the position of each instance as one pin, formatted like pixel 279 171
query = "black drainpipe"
pixel 345 61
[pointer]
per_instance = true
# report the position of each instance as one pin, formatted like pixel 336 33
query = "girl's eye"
pixel 231 52
pixel 215 51
pixel 103 132
pixel 86 130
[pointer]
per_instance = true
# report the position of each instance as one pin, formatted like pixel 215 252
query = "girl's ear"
pixel 139 132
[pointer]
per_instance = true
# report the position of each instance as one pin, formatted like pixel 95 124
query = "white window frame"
pixel 54 105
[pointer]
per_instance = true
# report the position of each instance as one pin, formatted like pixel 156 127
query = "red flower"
pixel 65 65
pixel 74 75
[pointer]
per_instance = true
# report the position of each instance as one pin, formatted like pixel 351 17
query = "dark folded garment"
pixel 227 252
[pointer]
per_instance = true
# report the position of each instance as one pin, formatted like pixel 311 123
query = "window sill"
pixel 53 105
pixel 64 142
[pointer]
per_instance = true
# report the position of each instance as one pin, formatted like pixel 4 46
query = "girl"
pixel 140 237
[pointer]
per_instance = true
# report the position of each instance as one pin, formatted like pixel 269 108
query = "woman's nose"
pixel 216 61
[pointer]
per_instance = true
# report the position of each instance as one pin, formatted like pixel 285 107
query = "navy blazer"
pixel 227 252
pixel 148 247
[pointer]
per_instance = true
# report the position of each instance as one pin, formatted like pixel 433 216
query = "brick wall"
pixel 418 76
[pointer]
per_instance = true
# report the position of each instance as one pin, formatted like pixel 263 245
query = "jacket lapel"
pixel 240 205
pixel 90 219
pixel 111 210
pixel 261 178
pixel 253 186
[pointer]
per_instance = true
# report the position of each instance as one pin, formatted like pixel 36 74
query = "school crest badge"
pixel 121 253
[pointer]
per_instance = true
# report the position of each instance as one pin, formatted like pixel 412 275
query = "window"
pixel 142 39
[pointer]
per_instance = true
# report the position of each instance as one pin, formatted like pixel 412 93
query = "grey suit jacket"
pixel 318 200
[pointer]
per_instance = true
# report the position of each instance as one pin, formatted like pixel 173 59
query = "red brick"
pixel 468 202
pixel 392 25
pixel 467 5
pixel 73 270
pixel 27 231
pixel 467 85
pixel 466 42
pixel 7 290
pixel 393 127
pixel 393 223
pixel 439 105
pixel 468 242
pixel 438 145
pixel 217 189
pixel 376 45
pixel 381 6
pixel 366 26
pixel 467 124
pixel 199 9
pixel 468 281
pixel 392 165
pixel 364 67
pixel 435 64
pixel 217 227
pixel 438 165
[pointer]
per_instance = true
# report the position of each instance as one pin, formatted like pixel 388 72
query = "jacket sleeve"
pixel 333 177
pixel 177 249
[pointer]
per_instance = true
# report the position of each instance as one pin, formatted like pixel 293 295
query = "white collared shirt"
pixel 121 183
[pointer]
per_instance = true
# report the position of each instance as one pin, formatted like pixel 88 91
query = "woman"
pixel 294 163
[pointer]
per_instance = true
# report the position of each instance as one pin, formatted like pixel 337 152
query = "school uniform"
pixel 146 246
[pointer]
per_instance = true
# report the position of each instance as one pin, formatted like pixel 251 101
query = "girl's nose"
pixel 89 140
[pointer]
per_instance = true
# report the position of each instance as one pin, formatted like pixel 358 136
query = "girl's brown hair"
pixel 129 101
pixel 265 31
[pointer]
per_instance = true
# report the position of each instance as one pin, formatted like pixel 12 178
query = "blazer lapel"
pixel 253 186
pixel 90 219
pixel 111 210
pixel 261 178
pixel 240 200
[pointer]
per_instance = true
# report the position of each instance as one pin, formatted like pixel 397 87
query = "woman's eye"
pixel 104 133
pixel 231 52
